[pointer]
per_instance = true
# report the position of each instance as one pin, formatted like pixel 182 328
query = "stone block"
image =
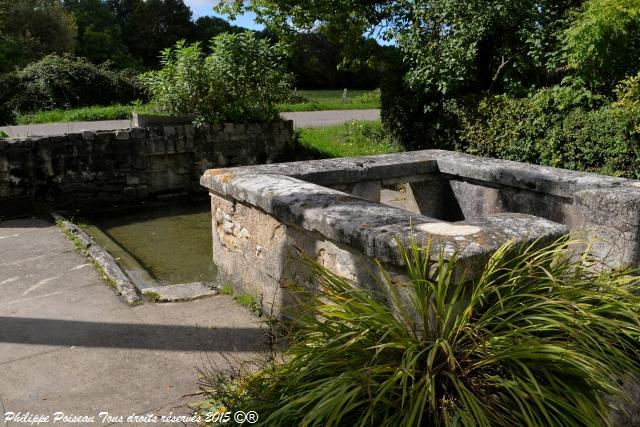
pixel 129 194
pixel 142 192
pixel 368 190
pixel 139 133
pixel 123 135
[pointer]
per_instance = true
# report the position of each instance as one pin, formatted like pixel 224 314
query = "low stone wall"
pixel 89 169
pixel 331 210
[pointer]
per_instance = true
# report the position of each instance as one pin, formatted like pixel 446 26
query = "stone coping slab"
pixel 543 179
pixel 284 191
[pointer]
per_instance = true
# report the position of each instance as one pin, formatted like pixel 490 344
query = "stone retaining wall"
pixel 94 168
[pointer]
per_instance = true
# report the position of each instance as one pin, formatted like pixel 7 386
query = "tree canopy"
pixel 31 29
pixel 458 46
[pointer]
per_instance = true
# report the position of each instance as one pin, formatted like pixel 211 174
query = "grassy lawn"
pixel 317 100
pixel 356 138
pixel 112 112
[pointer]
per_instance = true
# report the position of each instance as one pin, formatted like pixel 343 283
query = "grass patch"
pixel 331 95
pixel 316 100
pixel 326 105
pixel 246 300
pixel 226 290
pixel 85 114
pixel 250 303
pixel 322 100
pixel 355 138
pixel 152 296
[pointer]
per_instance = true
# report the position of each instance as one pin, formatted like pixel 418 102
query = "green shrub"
pixel 560 127
pixel 538 339
pixel 416 120
pixel 242 79
pixel 9 88
pixel 65 81
pixel 602 43
pixel 371 97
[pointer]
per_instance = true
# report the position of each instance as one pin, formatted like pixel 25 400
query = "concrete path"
pixel 306 119
pixel 68 344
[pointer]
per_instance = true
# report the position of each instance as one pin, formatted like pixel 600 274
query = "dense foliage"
pixel 473 75
pixel 31 29
pixel 561 127
pixel 603 41
pixel 242 79
pixel 58 81
pixel 538 339
pixel 130 34
pixel 63 82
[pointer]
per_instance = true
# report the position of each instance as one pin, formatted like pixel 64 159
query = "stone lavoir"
pixel 330 209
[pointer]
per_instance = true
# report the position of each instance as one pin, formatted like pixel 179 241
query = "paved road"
pixel 307 119
pixel 67 343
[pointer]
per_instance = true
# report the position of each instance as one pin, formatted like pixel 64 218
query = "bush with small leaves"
pixel 242 79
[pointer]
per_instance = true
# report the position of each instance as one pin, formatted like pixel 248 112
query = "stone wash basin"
pixel 331 210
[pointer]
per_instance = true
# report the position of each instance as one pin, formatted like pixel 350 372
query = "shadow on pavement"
pixel 127 335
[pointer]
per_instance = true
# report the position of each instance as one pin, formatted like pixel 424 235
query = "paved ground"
pixel 303 120
pixel 67 343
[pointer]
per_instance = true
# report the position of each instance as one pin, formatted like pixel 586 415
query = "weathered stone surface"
pixel 462 204
pixel 180 292
pixel 107 263
pixel 90 168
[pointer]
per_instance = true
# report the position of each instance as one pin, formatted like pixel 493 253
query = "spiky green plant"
pixel 538 340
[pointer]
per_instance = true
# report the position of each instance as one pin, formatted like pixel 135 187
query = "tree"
pixel 450 45
pixel 99 33
pixel 155 25
pixel 32 29
pixel 317 63
pixel 602 43
pixel 450 50
pixel 207 27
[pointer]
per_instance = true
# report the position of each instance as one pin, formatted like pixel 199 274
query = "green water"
pixel 172 243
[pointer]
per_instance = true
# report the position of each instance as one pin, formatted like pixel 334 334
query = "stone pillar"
pixel 433 198
pixel 368 190
pixel 612 221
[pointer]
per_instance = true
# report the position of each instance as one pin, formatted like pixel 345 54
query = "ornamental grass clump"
pixel 539 339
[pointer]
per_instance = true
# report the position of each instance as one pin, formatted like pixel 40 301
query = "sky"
pixel 205 8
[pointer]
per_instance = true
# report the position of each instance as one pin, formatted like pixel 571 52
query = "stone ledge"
pixel 125 288
pixel 476 187
pixel 369 227
pixel 179 292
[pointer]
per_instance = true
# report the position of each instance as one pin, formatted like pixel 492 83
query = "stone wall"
pixel 331 210
pixel 89 169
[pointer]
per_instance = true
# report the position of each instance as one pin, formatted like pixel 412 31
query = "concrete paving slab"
pixel 71 345
pixel 78 380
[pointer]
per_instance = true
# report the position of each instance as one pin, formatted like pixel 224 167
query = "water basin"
pixel 162 245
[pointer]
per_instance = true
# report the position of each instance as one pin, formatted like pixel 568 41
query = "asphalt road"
pixel 308 119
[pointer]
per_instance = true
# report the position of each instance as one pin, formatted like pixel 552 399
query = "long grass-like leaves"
pixel 538 339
